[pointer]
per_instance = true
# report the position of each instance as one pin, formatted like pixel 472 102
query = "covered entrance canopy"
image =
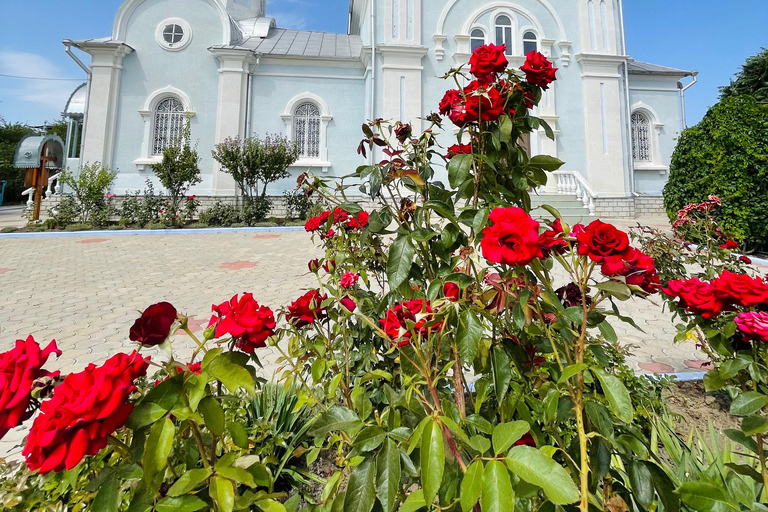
pixel 39 154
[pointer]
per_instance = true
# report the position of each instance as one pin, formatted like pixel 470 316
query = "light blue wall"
pixel 193 70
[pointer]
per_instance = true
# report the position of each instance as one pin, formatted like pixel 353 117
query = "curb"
pixel 155 232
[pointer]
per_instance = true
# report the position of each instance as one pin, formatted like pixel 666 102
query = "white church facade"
pixel 229 67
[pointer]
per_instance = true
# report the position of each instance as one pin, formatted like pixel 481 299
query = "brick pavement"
pixel 85 291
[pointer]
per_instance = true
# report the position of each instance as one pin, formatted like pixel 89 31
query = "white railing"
pixel 573 183
pixel 30 192
pixel 51 189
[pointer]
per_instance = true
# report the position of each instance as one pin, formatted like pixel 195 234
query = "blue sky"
pixel 711 36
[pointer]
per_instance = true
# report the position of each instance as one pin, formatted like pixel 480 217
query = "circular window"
pixel 174 34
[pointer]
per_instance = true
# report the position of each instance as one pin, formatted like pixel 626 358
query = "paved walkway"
pixel 85 291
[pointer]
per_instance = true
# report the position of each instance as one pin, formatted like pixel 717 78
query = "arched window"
pixel 530 43
pixel 642 150
pixel 504 32
pixel 477 39
pixel 168 126
pixel 306 130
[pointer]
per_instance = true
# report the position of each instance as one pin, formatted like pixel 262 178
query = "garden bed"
pixel 42 228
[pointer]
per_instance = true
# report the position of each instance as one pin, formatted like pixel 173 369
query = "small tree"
pixel 90 188
pixel 178 172
pixel 10 135
pixel 751 80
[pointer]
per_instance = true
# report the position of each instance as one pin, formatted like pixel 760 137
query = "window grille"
pixel 477 39
pixel 173 34
pixel 641 137
pixel 306 130
pixel 169 125
pixel 530 43
pixel 504 32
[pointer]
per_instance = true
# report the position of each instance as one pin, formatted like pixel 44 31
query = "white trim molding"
pixel 656 163
pixel 128 7
pixel 325 118
pixel 146 159
pixel 186 36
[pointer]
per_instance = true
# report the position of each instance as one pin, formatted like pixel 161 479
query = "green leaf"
pixel 600 418
pixel 502 373
pixel 157 449
pixel 754 425
pixel 497 493
pixel 458 169
pixel 608 331
pixel 444 209
pixel 167 393
pixel 413 502
pixel 318 370
pixel 423 235
pixel 270 505
pixel 238 475
pixel 222 491
pixel 234 377
pixel 664 487
pixel 536 468
pixel 213 415
pixel 369 439
pixel 388 475
pixel 619 290
pixel 548 163
pixel 335 419
pixel 189 481
pixel 145 413
pixel 468 336
pixel 748 403
pixel 108 497
pixel 737 436
pixel 506 434
pixel 432 459
pixel 713 381
pixel 239 434
pixel 471 486
pixel 617 395
pixel 570 371
pixel 642 485
pixel 704 497
pixel 505 128
pixel 400 260
pixel 187 503
pixel 361 490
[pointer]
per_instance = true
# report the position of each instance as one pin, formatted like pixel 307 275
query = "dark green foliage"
pixel 726 154
pixel 297 204
pixel 90 188
pixel 751 80
pixel 10 135
pixel 221 214
pixel 65 213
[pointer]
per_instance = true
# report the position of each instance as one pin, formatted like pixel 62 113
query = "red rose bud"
pixel 349 304
pixel 153 327
pixel 538 70
pixel 247 322
pixel 314 266
pixel 512 239
pixel 83 412
pixel 452 292
pixel 20 368
pixel 745 259
pixel 329 266
pixel 403 132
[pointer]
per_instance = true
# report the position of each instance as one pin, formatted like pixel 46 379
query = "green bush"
pixel 90 188
pixel 297 205
pixel 726 154
pixel 10 135
pixel 221 214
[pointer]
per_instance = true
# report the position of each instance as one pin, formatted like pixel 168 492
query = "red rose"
pixel 577 230
pixel 349 303
pixel 328 235
pixel 483 104
pixel 418 312
pixel 600 240
pixel 19 369
pixel 526 440
pixel 247 322
pixel 740 289
pixel 513 239
pixel 451 100
pixel 153 327
pixel 196 368
pixel 538 70
pixel 349 280
pixel 83 412
pixel 637 268
pixel 307 309
pixel 754 325
pixel 340 216
pixel 362 219
pixel 697 297
pixel 315 223
pixel 745 259
pixel 552 241
pixel 452 292
pixel 459 149
pixel 487 61
pixel 730 244
pixel 403 132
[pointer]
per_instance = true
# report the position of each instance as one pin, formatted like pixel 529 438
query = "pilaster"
pixel 402 81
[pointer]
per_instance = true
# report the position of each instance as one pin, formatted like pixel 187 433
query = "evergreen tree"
pixel 751 80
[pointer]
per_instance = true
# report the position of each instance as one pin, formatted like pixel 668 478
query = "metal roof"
pixel 300 43
pixel 644 68
pixel 30 149
pixel 76 102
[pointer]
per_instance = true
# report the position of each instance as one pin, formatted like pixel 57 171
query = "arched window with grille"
pixel 306 130
pixel 168 124
pixel 504 32
pixel 642 148
pixel 530 43
pixel 477 39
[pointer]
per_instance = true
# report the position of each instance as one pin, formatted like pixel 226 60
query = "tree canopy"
pixel 751 80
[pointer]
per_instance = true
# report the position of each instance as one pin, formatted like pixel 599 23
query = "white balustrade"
pixel 570 183
pixel 30 193
pixel 51 189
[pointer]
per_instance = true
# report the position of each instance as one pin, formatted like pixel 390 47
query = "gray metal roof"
pixel 644 68
pixel 30 149
pixel 300 43
pixel 76 103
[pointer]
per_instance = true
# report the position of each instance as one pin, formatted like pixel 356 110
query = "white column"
pixel 106 69
pixel 401 71
pixel 231 109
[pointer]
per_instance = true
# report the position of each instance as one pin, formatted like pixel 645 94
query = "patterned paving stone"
pixel 239 265
pixel 658 368
pixel 93 241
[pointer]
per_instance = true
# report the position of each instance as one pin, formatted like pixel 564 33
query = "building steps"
pixel 571 209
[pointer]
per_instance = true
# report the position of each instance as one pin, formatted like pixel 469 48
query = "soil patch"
pixel 696 409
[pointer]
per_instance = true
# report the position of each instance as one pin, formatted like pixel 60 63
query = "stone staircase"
pixel 571 209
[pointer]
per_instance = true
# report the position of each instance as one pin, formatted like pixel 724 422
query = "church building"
pixel 234 72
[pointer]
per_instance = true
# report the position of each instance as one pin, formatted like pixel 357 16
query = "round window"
pixel 174 34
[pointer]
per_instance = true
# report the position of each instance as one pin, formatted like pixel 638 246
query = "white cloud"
pixel 47 95
pixel 289 20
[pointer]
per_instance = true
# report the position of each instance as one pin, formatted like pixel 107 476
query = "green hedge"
pixel 726 154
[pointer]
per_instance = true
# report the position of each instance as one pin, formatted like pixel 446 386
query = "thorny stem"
pixel 200 446
pixel 579 395
pixel 200 346
pixel 458 384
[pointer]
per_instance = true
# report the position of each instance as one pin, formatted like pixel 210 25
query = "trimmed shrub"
pixel 726 155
